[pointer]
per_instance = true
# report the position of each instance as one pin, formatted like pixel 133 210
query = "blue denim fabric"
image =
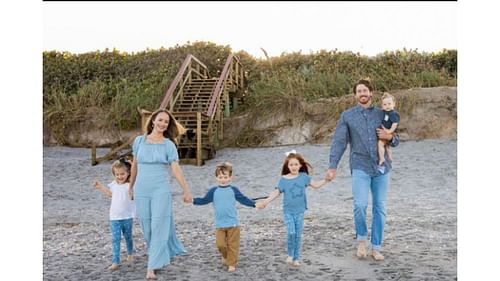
pixel 117 228
pixel 362 183
pixel 357 127
pixel 294 225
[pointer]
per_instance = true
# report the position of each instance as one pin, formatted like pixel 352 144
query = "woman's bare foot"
pixel 150 274
pixel 224 261
pixel 361 253
pixel 231 268
pixel 377 256
pixel 130 259
pixel 114 266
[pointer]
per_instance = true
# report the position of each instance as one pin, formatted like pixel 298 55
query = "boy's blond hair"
pixel 224 168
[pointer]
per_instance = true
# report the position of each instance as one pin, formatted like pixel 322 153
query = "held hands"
pixel 331 174
pixel 187 196
pixel 261 204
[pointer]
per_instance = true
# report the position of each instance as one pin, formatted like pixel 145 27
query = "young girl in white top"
pixel 122 210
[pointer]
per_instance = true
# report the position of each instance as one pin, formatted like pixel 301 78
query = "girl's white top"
pixel 121 206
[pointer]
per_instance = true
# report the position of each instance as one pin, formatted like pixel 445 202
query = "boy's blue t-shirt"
pixel 294 193
pixel 224 201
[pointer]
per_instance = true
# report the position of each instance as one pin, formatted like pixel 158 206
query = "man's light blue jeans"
pixel 362 183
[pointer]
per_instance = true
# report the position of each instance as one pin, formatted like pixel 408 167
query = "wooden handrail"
pixel 222 80
pixel 178 77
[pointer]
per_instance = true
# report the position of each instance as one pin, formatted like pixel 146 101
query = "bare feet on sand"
pixel 289 260
pixel 113 267
pixel 361 253
pixel 224 261
pixel 130 259
pixel 377 256
pixel 151 275
pixel 231 269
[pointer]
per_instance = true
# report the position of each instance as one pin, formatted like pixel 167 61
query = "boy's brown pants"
pixel 228 243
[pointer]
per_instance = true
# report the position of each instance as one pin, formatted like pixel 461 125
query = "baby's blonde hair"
pixel 386 95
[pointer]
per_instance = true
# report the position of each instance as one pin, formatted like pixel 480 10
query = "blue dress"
pixel 153 200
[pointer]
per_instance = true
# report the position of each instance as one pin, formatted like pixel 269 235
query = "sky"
pixel 276 27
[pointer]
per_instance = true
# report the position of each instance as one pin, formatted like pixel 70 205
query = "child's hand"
pixel 96 184
pixel 260 205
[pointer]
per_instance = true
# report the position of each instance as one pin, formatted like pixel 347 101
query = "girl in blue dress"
pixel 293 183
pixel 153 153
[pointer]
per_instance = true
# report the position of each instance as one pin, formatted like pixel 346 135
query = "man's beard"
pixel 367 100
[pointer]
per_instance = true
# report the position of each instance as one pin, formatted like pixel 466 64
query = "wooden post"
pixel 235 103
pixel 198 139
pixel 94 157
pixel 227 110
pixel 220 135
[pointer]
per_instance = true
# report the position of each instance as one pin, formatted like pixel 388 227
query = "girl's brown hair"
pixel 305 166
pixel 172 131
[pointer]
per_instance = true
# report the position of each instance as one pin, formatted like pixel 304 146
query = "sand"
pixel 420 240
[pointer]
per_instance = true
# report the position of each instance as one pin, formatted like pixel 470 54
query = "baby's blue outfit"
pixel 153 200
pixel 294 206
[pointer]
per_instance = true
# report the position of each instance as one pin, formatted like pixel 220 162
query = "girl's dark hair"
pixel 172 131
pixel 305 166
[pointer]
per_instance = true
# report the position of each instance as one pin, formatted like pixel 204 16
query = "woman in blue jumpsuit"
pixel 149 185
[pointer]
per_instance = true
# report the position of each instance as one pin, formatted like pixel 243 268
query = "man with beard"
pixel 359 127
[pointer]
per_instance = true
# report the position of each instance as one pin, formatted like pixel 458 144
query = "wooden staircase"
pixel 199 103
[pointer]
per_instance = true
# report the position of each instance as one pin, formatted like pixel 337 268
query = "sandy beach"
pixel 420 240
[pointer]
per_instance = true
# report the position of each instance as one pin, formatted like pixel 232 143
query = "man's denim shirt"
pixel 358 127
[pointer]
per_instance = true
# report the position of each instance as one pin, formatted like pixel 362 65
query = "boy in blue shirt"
pixel 224 197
